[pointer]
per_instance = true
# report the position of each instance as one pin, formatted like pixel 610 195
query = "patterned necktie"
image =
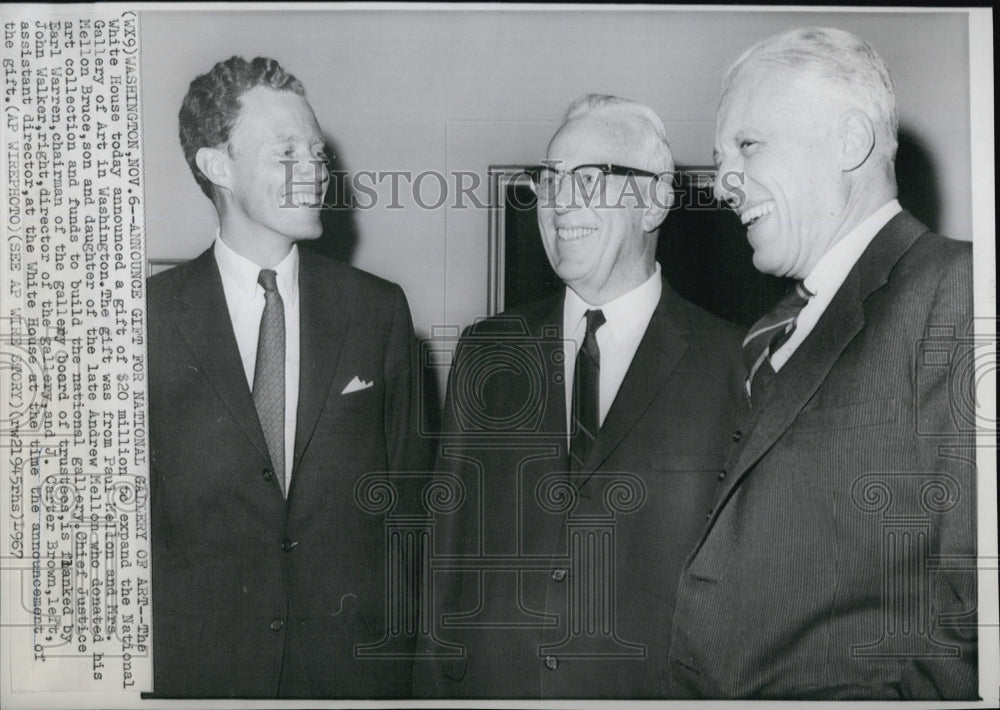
pixel 269 374
pixel 587 393
pixel 773 330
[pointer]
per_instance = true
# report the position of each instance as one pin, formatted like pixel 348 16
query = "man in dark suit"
pixel 585 435
pixel 277 379
pixel 839 561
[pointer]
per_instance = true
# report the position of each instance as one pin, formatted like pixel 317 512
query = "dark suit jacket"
pixel 561 586
pixel 816 576
pixel 254 595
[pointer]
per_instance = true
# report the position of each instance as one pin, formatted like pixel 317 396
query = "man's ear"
pixel 857 136
pixel 661 199
pixel 214 164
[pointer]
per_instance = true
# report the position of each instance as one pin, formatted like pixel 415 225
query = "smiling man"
pixel 839 562
pixel 588 432
pixel 277 379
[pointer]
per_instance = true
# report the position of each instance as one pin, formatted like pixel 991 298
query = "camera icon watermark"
pixel 965 366
pixel 500 355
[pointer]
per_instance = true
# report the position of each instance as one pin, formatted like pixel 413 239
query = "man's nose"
pixel 728 184
pixel 570 194
pixel 312 169
pixel 562 200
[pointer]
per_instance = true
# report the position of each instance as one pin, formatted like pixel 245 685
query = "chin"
pixel 767 265
pixel 307 231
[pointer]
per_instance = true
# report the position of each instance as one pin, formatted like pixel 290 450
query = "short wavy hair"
pixel 842 62
pixel 650 136
pixel 212 105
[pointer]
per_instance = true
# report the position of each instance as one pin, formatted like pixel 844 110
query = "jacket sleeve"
pixel 410 419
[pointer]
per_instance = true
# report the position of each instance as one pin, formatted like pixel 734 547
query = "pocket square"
pixel 357 384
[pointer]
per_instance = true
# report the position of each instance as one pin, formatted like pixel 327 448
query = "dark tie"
pixel 587 393
pixel 772 331
pixel 269 374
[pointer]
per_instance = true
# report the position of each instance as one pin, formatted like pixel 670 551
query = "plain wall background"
pixel 450 90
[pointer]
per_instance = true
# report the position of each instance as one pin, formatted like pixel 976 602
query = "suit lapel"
pixel 324 320
pixel 800 377
pixel 661 348
pixel 204 323
pixel 805 372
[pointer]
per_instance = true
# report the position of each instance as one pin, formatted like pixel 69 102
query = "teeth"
pixel 755 213
pixel 304 200
pixel 570 234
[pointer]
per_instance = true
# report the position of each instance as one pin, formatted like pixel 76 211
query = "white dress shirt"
pixel 626 319
pixel 828 276
pixel 245 299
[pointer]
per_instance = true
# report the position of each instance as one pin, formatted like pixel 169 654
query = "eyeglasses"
pixel 547 181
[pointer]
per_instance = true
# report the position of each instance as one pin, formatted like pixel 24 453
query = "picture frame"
pixel 155 266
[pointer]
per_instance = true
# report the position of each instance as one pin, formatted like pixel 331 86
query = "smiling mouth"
pixel 571 234
pixel 754 215
pixel 307 199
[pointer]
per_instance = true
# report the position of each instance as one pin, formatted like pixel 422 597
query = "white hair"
pixel 650 137
pixel 845 64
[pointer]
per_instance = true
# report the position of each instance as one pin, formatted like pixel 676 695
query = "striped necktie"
pixel 773 330
pixel 269 374
pixel 587 393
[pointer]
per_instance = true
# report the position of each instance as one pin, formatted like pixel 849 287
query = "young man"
pixel 277 379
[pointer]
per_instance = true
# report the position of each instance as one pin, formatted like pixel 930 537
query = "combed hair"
pixel 652 136
pixel 846 63
pixel 212 105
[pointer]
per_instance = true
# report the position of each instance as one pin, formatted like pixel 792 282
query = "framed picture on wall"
pixel 155 266
pixel 702 249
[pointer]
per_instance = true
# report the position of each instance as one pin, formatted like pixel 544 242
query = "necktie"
pixel 773 330
pixel 586 393
pixel 269 374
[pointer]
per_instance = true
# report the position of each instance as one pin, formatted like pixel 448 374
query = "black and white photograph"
pixel 378 355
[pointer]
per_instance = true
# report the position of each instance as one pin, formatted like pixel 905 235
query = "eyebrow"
pixel 282 142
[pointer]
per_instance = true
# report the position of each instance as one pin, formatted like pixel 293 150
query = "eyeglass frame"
pixel 605 168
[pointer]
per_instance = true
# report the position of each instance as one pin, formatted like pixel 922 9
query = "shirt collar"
pixel 620 313
pixel 833 267
pixel 244 273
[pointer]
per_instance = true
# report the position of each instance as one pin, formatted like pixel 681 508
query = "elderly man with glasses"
pixel 588 431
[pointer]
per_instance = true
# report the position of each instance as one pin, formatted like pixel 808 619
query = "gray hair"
pixel 651 139
pixel 845 63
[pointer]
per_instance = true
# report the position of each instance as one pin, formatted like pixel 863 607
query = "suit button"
pixel 551 662
pixel 737 435
pixel 559 574
pixel 268 475
pixel 277 624
pixel 722 475
pixel 287 545
pixel 709 516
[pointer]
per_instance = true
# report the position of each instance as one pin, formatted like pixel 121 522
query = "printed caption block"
pixel 75 493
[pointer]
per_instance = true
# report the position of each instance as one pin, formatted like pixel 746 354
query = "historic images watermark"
pixel 463 189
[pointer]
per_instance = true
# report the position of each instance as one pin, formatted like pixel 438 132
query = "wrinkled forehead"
pixel 596 138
